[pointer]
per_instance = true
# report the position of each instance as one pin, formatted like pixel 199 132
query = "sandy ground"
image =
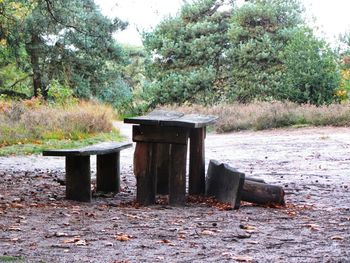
pixel 312 164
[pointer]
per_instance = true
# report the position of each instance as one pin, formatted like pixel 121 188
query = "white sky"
pixel 332 17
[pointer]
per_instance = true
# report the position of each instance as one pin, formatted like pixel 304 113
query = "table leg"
pixel 177 176
pixel 108 172
pixel 197 162
pixel 78 178
pixel 162 166
pixel 145 158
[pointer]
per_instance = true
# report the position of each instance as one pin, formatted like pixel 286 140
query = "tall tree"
pixel 188 55
pixel 66 42
pixel 13 58
pixel 311 70
pixel 259 31
pixel 275 56
pixel 71 41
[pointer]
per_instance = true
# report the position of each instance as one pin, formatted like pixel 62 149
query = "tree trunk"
pixel 33 51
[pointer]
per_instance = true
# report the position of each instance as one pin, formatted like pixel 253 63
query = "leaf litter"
pixel 114 228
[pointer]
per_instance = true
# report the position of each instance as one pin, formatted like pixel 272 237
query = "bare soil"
pixel 312 164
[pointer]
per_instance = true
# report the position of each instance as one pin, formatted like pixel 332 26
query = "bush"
pixel 266 115
pixel 23 122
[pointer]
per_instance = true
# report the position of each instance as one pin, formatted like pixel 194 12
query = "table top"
pixel 172 118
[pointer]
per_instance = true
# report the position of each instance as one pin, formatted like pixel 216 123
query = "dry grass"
pixel 32 121
pixel 267 115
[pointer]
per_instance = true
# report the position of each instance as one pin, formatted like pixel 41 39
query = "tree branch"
pixel 49 9
pixel 18 81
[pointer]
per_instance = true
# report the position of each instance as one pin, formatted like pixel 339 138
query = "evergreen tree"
pixel 259 31
pixel 311 70
pixel 187 55
pixel 275 56
pixel 71 41
pixel 14 77
pixel 65 43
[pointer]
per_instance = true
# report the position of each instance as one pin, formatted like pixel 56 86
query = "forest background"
pixel 257 65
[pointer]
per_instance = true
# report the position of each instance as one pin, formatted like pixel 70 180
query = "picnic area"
pixel 39 224
pixel 174 131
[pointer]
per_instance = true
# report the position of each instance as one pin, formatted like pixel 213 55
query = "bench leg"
pixel 145 157
pixel 197 162
pixel 78 178
pixel 162 166
pixel 177 176
pixel 108 172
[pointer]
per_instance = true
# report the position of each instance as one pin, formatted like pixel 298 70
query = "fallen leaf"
pixel 313 226
pixel 60 234
pixel 81 242
pixel 242 258
pixel 247 227
pixel 166 241
pixel 291 213
pixel 14 228
pixel 71 240
pixel 122 237
pixel 337 238
pixel 132 216
pixel 207 232
pixel 16 205
pixel 181 236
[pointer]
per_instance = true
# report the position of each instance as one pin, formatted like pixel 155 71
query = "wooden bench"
pixel 160 155
pixel 78 173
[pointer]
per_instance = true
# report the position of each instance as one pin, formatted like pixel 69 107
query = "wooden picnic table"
pixel 160 155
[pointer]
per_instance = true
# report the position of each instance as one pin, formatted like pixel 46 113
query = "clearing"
pixel 312 164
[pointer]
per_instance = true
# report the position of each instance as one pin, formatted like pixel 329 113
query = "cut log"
pixel 224 183
pixel 262 193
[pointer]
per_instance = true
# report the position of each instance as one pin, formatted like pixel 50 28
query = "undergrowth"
pixel 31 126
pixel 268 115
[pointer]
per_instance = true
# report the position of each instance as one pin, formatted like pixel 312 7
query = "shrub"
pixel 21 122
pixel 268 115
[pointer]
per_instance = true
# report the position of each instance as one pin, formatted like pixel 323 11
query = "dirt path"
pixel 312 164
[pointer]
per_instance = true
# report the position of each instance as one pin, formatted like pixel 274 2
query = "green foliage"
pixel 187 55
pixel 75 47
pixel 259 32
pixel 260 51
pixel 59 94
pixel 14 77
pixel 343 91
pixel 62 45
pixel 311 71
pixel 7 258
pixel 119 95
